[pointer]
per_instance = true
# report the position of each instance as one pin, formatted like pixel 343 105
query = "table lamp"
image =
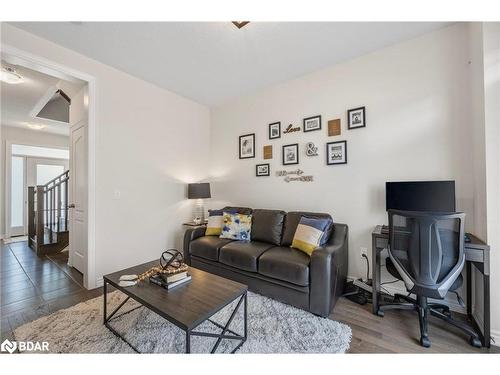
pixel 199 192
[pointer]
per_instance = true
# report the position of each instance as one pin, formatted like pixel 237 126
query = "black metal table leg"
pixel 105 290
pixel 188 342
pixel 223 335
pixel 245 306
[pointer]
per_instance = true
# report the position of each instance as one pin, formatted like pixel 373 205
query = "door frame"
pixel 30 60
pixel 8 178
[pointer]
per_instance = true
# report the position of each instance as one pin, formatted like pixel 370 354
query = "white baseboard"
pixel 99 282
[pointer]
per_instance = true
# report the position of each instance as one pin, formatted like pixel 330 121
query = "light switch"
pixel 117 194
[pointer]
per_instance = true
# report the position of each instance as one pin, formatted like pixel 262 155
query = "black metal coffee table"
pixel 186 306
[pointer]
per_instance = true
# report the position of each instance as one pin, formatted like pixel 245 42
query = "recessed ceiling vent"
pixel 57 108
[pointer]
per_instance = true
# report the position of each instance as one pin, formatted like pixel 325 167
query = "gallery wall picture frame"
pixel 275 130
pixel 334 127
pixel 336 153
pixel 290 154
pixel 262 170
pixel 247 146
pixel 268 152
pixel 356 118
pixel 310 124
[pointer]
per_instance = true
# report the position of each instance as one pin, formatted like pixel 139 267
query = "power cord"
pixel 368 281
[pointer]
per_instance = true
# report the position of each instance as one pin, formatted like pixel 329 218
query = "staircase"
pixel 48 216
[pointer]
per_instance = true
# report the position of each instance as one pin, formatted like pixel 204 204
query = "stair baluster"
pixel 46 207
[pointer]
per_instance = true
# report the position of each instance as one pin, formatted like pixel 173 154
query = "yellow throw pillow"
pixel 309 233
pixel 215 223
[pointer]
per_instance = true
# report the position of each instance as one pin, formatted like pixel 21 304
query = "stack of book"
pixel 171 280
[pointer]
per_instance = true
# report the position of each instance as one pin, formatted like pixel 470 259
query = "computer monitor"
pixel 437 196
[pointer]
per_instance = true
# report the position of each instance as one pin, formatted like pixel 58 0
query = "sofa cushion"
pixel 286 264
pixel 267 226
pixel 292 221
pixel 207 247
pixel 238 210
pixel 243 255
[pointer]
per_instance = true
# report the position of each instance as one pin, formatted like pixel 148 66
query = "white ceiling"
pixel 18 101
pixel 213 62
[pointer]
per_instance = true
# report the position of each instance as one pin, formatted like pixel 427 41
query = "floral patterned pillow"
pixel 236 226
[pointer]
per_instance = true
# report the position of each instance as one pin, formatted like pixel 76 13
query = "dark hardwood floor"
pixel 398 332
pixel 32 287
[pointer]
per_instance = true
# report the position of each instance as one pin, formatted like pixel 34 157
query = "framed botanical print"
pixel 336 153
pixel 311 123
pixel 247 146
pixel 291 154
pixel 275 130
pixel 356 118
pixel 262 170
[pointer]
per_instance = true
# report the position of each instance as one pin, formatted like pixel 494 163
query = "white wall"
pixel 150 143
pixel 418 128
pixel 491 59
pixel 484 60
pixel 23 136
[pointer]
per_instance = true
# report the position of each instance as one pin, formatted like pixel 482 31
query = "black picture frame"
pixel 350 124
pixel 311 118
pixel 328 161
pixel 278 124
pixel 252 135
pixel 296 145
pixel 257 174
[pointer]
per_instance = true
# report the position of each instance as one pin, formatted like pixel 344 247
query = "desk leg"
pixel 468 278
pixel 375 276
pixel 486 309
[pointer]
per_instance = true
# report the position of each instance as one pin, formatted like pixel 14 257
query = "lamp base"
pixel 199 212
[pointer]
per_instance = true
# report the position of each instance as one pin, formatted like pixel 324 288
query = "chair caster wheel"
pixel 380 313
pixel 425 342
pixel 475 342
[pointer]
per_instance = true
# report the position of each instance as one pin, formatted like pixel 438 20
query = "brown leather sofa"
pixel 269 266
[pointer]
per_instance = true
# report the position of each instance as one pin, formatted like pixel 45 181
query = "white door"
pixel 78 197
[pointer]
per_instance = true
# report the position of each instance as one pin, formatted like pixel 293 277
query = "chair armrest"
pixel 328 271
pixel 191 234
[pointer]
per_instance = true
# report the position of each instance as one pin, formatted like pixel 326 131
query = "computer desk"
pixel 477 254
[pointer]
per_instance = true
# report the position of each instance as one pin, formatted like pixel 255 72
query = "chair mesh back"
pixel 428 246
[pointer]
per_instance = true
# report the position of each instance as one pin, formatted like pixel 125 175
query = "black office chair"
pixel 426 252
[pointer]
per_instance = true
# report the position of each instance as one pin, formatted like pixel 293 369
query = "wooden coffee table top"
pixel 187 305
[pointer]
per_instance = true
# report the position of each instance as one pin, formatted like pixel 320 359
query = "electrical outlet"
pixel 363 251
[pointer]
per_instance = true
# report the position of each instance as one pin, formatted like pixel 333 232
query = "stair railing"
pixel 48 208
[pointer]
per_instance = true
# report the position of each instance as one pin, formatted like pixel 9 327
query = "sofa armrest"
pixel 328 272
pixel 191 234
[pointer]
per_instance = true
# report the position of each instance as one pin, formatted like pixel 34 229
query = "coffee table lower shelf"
pixel 225 334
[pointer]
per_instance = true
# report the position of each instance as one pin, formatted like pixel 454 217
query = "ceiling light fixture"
pixel 36 126
pixel 9 75
pixel 240 24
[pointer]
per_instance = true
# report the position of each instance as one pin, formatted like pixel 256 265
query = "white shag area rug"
pixel 273 327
